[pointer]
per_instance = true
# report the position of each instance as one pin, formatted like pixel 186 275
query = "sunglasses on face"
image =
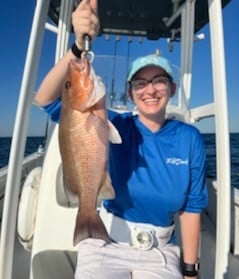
pixel 159 83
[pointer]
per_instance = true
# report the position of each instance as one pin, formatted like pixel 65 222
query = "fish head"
pixel 78 84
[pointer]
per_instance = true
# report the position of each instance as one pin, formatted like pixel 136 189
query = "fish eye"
pixel 68 85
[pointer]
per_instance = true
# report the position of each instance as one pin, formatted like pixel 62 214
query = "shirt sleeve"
pixel 112 114
pixel 197 198
pixel 54 109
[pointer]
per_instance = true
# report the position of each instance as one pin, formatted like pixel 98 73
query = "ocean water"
pixel 34 142
pixel 32 145
pixel 211 157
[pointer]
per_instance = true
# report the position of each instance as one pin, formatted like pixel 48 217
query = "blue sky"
pixel 15 27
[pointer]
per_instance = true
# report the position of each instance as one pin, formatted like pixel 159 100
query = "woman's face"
pixel 151 89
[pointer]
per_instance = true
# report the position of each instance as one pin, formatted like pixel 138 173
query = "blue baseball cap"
pixel 149 60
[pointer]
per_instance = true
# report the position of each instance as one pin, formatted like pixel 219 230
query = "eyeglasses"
pixel 159 83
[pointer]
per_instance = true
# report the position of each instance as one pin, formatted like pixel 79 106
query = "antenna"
pixel 124 96
pixel 112 92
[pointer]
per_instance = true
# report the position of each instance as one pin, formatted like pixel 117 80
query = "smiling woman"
pixel 158 157
pixel 155 167
pixel 148 141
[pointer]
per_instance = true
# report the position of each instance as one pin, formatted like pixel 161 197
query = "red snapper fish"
pixel 84 134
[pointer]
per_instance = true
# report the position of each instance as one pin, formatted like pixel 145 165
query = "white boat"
pixel 49 221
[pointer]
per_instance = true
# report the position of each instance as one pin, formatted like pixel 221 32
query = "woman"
pixel 157 171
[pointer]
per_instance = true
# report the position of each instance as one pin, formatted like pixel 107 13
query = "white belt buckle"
pixel 142 238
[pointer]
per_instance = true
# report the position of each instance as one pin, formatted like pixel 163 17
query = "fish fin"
pixel 97 93
pixel 89 226
pixel 114 135
pixel 106 191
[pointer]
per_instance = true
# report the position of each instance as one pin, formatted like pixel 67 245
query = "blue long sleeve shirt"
pixel 154 174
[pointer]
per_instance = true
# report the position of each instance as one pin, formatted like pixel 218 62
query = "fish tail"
pixel 89 226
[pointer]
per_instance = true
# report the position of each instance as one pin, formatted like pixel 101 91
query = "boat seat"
pixel 52 248
pixel 54 264
pixel 64 196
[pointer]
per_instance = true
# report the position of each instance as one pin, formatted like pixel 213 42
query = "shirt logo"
pixel 176 161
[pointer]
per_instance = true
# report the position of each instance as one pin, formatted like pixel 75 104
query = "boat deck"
pixel 208 248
